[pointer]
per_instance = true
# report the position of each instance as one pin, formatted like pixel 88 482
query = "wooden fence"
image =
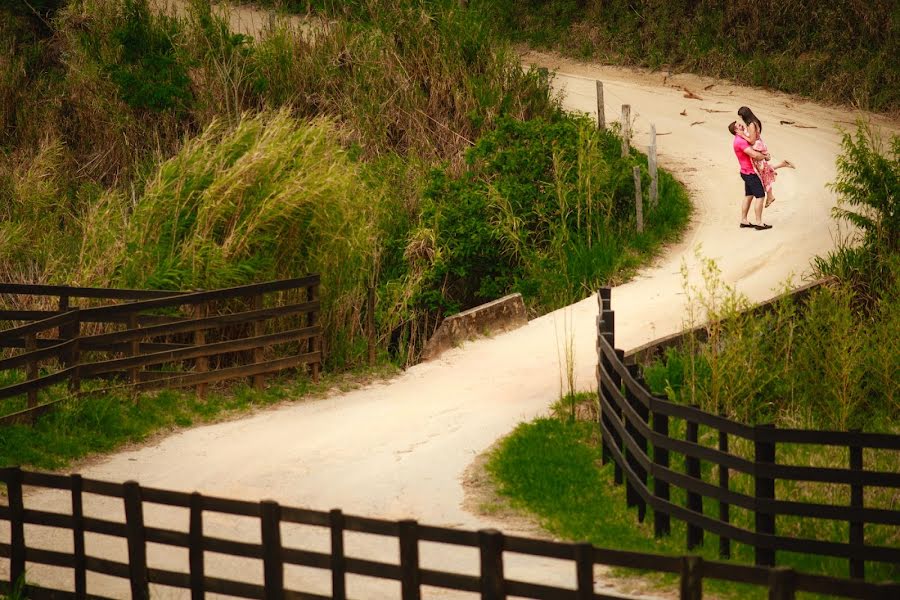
pixel 490 583
pixel 159 339
pixel 635 427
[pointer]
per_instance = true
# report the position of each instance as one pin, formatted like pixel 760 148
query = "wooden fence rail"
pixel 489 583
pixel 159 339
pixel 636 429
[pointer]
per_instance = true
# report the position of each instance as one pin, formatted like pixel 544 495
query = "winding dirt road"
pixel 399 449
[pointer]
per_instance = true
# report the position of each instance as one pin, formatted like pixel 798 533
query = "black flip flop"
pixel 747 225
pixel 762 226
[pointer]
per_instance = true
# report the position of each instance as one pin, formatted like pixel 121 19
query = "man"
pixel 754 193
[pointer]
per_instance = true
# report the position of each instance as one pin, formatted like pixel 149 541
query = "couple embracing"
pixel 758 175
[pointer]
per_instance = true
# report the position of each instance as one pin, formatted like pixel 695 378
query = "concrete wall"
pixel 500 315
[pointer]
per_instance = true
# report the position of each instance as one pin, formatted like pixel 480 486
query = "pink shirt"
pixel 743 158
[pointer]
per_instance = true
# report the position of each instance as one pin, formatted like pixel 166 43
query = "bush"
pixel 544 208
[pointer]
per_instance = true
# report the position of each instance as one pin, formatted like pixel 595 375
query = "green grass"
pixel 552 469
pixel 837 52
pixel 102 424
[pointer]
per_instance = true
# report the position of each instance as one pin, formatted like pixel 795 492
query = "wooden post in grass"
pixel 651 165
pixel 694 500
pixel 370 324
pixel 201 364
pixel 724 542
pixel 661 524
pixel 764 489
pixel 857 537
pixel 601 112
pixel 259 380
pixel 691 578
pixel 31 368
pixel 638 200
pixel 314 344
pixel 134 348
pixel 626 129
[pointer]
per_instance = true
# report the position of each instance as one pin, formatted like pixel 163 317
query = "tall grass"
pixel 168 151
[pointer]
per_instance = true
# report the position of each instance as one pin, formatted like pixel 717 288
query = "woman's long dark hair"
pixel 747 115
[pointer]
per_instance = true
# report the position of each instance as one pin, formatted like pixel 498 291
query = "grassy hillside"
pixel 844 51
pixel 152 150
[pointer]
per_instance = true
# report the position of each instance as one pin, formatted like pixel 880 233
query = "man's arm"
pixel 755 154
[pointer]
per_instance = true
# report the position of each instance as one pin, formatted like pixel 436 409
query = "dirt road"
pixel 399 449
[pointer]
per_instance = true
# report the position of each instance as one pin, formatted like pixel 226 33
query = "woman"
pixel 752 133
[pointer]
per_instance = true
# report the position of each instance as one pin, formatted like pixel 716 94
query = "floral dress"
pixel 765 171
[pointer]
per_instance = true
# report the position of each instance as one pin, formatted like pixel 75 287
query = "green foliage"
pixel 835 51
pixel 148 73
pixel 544 208
pixel 869 182
pixel 151 159
pixel 816 365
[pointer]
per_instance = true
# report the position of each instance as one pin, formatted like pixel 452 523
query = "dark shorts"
pixel 753 186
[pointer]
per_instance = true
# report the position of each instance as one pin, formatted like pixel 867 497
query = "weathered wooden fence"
pixel 489 583
pixel 159 339
pixel 636 427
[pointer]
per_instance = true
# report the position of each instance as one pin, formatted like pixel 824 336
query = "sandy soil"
pixel 401 449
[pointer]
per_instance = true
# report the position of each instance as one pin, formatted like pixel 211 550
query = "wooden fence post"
pixel 639 438
pixel 338 563
pixel 694 500
pixel 195 548
pixel 620 441
pixel 31 369
pixel 724 542
pixel 691 578
pixel 584 571
pixel 201 363
pixel 409 559
pixel 68 331
pixel 134 348
pixel 782 584
pixel 638 200
pixel 857 528
pixel 652 167
pixel 16 526
pixel 314 343
pixel 490 542
pixel 603 302
pixel 137 541
pixel 78 554
pixel 626 129
pixel 273 562
pixel 661 523
pixel 764 489
pixel 259 380
pixel 370 324
pixel 73 355
pixel 601 111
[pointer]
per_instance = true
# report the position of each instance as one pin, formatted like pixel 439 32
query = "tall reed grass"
pixel 168 151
